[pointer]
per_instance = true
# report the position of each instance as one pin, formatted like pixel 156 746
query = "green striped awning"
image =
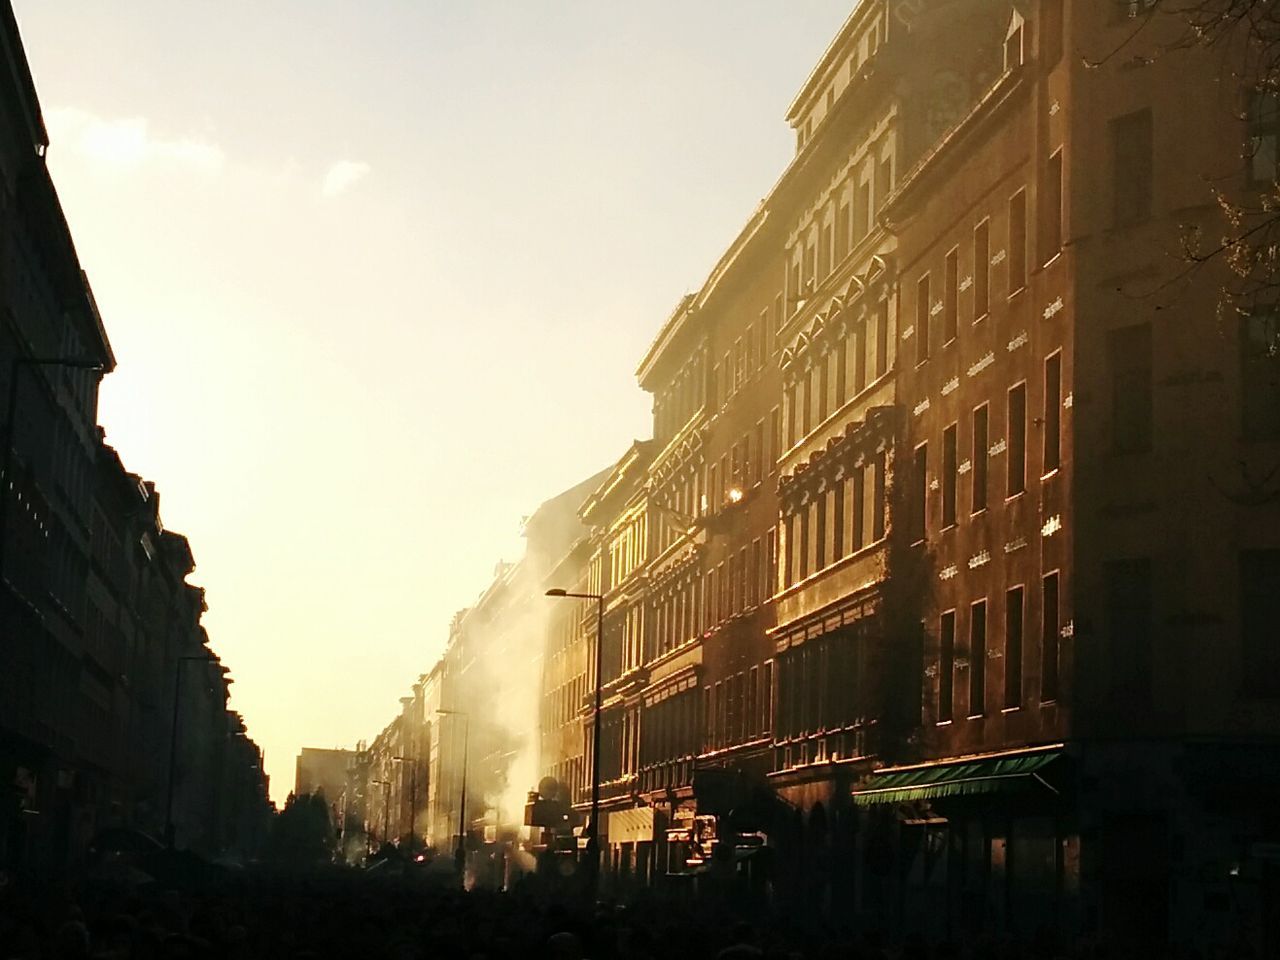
pixel 999 774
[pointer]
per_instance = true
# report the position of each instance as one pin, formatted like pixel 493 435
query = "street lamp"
pixel 386 809
pixel 173 742
pixel 10 419
pixel 460 855
pixel 593 831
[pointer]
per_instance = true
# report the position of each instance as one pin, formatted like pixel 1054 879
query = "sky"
pixel 378 275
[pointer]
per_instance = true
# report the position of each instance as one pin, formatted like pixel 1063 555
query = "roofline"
pixel 16 54
pixel 828 57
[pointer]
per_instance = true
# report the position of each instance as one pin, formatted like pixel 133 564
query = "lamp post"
pixel 10 420
pixel 593 831
pixel 173 743
pixel 386 809
pixel 460 854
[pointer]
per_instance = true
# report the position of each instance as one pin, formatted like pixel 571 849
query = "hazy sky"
pixel 378 275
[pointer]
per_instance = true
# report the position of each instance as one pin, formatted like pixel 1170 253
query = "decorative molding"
pixel 965 467
pixel 997 258
pixel 997 448
pixel 1053 309
pixel 950 385
pixel 979 559
pixel 946 573
pixel 982 364
pixel 1021 340
pixel 1051 526
pixel 921 407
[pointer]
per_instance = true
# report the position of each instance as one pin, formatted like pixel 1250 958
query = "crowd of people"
pixel 349 914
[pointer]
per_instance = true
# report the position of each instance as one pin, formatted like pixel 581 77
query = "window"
pixel 919 495
pixel 824 388
pixel 882 338
pixel 775 430
pixel 837 521
pixel 877 505
pixel 1052 413
pixel 859 339
pixel 946 665
pixel 1050 32
pixel 861 210
pixel 1131 168
pixel 1049 639
pixel 840 360
pixel 949 476
pixel 1264 137
pixel 1017 444
pixel 922 319
pixel 1129 629
pixel 1260 622
pixel 1260 375
pixel 884 180
pixel 857 519
pixel 827 249
pixel 1051 209
pixel 820 532
pixel 951 297
pixel 766 695
pixel 805 521
pixel 981 270
pixel 1016 255
pixel 978 658
pixel 1129 357
pixel 979 499
pixel 1013 42
pixel 1013 648
pixel 842 231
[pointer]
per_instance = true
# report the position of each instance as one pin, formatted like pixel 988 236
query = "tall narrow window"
pixel 1052 412
pixel 922 319
pixel 775 438
pixel 1050 32
pixel 878 492
pixel 882 338
pixel 842 231
pixel 1051 209
pixel 1129 357
pixel 884 180
pixel 838 540
pixel 1260 622
pixel 1131 172
pixel 1013 648
pixel 1049 639
pixel 981 270
pixel 820 533
pixel 951 297
pixel 824 388
pixel 978 659
pixel 1264 138
pixel 828 249
pixel 1128 585
pixel 919 493
pixel 805 518
pixel 1016 255
pixel 840 360
pixel 1016 453
pixel 946 665
pixel 979 498
pixel 949 476
pixel 859 339
pixel 862 210
pixel 1260 375
pixel 857 519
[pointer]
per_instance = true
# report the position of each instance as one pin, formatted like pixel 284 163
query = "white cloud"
pixel 342 175
pixel 128 142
